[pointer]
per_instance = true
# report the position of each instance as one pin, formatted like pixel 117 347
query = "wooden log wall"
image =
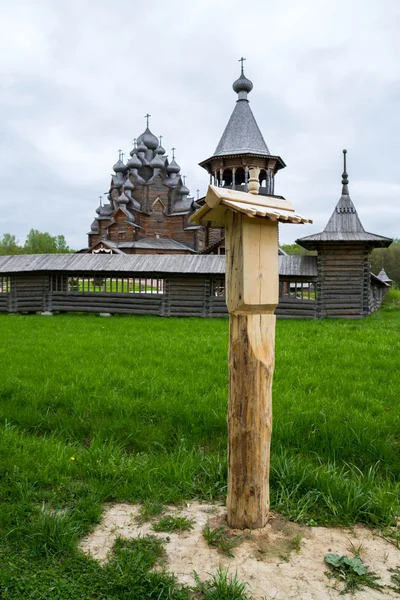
pixel 189 295
pixel 343 285
pixel 99 302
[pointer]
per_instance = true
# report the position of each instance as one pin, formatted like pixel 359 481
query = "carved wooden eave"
pixel 219 200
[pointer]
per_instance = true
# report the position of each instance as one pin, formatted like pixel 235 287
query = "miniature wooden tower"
pixel 242 147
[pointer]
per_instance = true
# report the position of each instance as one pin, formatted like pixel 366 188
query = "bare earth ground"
pixel 265 558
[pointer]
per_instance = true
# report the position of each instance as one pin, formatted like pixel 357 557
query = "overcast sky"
pixel 78 76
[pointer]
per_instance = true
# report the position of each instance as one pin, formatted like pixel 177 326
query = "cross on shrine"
pixel 241 60
pixel 101 200
pixel 160 138
pixel 119 154
pixel 173 152
pixel 198 194
pixel 184 179
pixel 122 156
pixel 147 117
pixel 134 142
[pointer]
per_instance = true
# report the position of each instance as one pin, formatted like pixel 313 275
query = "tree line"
pixel 36 243
pixel 388 258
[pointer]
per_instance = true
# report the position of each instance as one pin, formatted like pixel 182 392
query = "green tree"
pixel 61 244
pixel 44 243
pixel 296 249
pixel 9 245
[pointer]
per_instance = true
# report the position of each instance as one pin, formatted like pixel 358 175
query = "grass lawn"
pixel 131 409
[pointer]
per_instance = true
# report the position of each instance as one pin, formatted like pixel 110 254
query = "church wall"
pixel 94 239
pixel 120 225
pixel 156 190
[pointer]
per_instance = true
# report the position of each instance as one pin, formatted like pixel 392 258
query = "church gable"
pixel 158 205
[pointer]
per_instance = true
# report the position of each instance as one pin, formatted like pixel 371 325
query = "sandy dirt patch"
pixel 274 561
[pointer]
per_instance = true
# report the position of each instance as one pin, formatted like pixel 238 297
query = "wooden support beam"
pixel 252 280
pixel 251 368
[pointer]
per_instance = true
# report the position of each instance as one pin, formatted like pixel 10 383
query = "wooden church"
pixel 148 205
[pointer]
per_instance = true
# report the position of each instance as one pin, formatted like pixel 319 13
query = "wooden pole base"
pixel 251 367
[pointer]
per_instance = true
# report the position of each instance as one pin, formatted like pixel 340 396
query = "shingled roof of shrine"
pixel 242 134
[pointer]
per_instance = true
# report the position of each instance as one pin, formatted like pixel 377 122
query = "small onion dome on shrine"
pixel 150 140
pixel 157 162
pixel 243 85
pixel 142 147
pixel 94 226
pixel 123 199
pixel 173 167
pixel 128 185
pixel 134 162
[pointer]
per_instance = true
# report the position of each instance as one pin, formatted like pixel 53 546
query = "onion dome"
pixel 157 162
pixel 123 199
pixel 134 149
pixel 242 86
pixel 119 166
pixel 94 226
pixel 104 210
pixel 184 190
pixel 160 150
pixel 128 185
pixel 134 162
pixel 150 140
pixel 173 167
pixel 142 147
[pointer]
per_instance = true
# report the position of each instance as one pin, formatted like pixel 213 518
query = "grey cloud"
pixel 77 79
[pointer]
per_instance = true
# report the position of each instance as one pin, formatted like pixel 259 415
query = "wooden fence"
pixel 174 295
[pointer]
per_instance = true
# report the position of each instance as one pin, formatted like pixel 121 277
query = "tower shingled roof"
pixel 344 224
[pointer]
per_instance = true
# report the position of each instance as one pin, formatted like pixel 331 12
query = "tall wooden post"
pixel 252 283
pixel 252 293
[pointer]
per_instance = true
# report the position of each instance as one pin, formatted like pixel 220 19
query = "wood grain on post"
pixel 252 295
pixel 251 367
